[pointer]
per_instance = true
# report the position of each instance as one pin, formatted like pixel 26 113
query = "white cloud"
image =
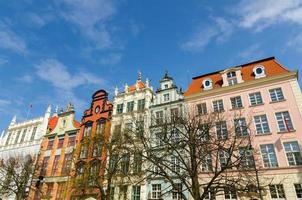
pixel 34 19
pixel 91 18
pixel 25 78
pixel 10 40
pixel 199 40
pixel 111 59
pixel 4 102
pixel 65 83
pixel 252 52
pixel 3 61
pixel 259 14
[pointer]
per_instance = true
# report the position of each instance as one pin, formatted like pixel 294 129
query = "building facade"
pixel 168 103
pixel 131 109
pixel 90 154
pixel 268 97
pixel 53 168
pixel 24 138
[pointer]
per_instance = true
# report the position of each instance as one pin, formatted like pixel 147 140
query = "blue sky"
pixel 56 51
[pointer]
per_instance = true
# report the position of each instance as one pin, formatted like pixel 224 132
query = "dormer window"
pixel 232 78
pixel 259 71
pixel 207 84
pixel 166 86
pixel 166 97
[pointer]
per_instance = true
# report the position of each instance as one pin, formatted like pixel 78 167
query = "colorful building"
pixel 90 154
pixel 131 109
pixel 168 103
pixel 268 96
pixel 53 166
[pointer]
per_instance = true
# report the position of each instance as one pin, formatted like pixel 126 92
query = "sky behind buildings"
pixel 60 51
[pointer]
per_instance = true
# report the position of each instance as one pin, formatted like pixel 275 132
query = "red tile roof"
pixel 76 124
pixel 133 87
pixel 52 122
pixel 272 68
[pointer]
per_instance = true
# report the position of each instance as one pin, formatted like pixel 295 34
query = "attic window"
pixel 232 78
pixel 259 71
pixel 207 84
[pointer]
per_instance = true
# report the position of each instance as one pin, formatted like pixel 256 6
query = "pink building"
pixel 268 97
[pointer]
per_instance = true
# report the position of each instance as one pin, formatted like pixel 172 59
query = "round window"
pixel 207 83
pixel 259 70
pixel 97 109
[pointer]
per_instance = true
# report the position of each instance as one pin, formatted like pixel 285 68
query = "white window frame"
pixel 254 94
pixel 268 156
pixel 261 123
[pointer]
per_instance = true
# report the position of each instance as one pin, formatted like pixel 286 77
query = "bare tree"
pixel 15 174
pixel 209 155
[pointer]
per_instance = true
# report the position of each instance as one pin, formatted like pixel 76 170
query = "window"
pixel 50 144
pixel 17 137
pixel 284 121
pixel 156 191
pixel 117 132
pixel 33 134
pixel 276 94
pixel 236 102
pixel 207 84
pixel 55 165
pixel 80 173
pixel 71 140
pixel 224 158
pixel 140 129
pixel 60 191
pixel 66 164
pixel 44 166
pixel 221 130
pixel 60 143
pixel 210 193
pixel 112 192
pixel 174 112
pixel 158 139
pixel 207 162
pixel 240 127
pixel 159 117
pixel 293 153
pixel 298 189
pixel 246 156
pixel 255 98
pixel 175 137
pixel 130 106
pixel 49 189
pixel 203 132
pixel 261 124
pixel 137 162
pixel 166 97
pixel 175 164
pixel 93 173
pixel 100 127
pixel 268 155
pixel 84 151
pixel 218 105
pixel 87 130
pixel 136 192
pixel 123 192
pixel 119 108
pixel 277 192
pixel 141 104
pixel 113 162
pixel 125 163
pixel 232 79
pixel 8 138
pixel 202 109
pixel 166 86
pixel 177 191
pixel 97 149
pixel 230 193
pixel 23 135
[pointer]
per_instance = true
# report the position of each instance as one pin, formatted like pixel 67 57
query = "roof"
pixel 76 124
pixel 272 68
pixel 141 85
pixel 52 122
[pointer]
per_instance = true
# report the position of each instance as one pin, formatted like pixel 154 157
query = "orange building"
pixel 55 157
pixel 90 155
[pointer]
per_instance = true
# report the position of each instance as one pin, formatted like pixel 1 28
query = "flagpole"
pixel 30 107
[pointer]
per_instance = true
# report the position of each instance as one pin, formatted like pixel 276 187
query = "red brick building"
pixel 90 153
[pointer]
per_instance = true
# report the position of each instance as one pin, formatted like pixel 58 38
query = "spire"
pixel 139 78
pixel 116 90
pixel 14 120
pixel 69 107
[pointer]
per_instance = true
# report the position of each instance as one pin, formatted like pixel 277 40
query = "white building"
pixel 130 106
pixel 24 138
